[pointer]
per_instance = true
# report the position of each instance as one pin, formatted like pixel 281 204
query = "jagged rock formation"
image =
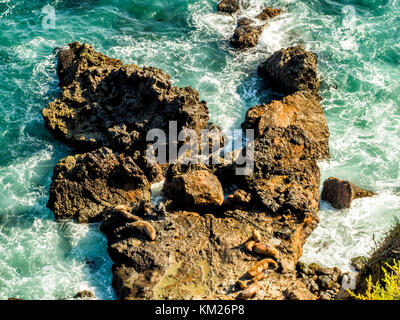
pixel 301 110
pixel 85 185
pixel 228 6
pixel 340 193
pixel 290 70
pixel 247 31
pixel 197 247
pixel 246 34
pixel 107 104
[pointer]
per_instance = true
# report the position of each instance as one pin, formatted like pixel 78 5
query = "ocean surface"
pixel 357 43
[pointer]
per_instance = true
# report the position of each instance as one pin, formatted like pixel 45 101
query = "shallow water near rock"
pixel 359 56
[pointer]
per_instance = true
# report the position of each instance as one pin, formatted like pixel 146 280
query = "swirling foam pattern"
pixel 359 56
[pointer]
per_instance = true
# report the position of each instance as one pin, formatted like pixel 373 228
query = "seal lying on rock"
pixel 126 212
pixel 260 266
pixel 250 292
pixel 144 227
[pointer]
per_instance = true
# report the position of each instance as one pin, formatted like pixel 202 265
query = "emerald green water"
pixel 359 56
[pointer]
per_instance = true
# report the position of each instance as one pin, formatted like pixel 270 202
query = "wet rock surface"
pixel 290 70
pixel 85 294
pixel 269 13
pixel 340 193
pixel 195 245
pixel 246 34
pixel 228 6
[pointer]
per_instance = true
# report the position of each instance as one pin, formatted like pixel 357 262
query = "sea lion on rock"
pixel 260 266
pixel 266 249
pixel 256 235
pixel 249 245
pixel 250 291
pixel 126 212
pixel 144 227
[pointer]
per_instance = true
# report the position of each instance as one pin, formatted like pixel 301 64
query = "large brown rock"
pixel 290 70
pixel 197 189
pixel 340 193
pixel 246 34
pixel 107 103
pixel 85 185
pixel 300 109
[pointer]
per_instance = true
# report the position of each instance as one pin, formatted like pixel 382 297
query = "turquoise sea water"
pixel 359 57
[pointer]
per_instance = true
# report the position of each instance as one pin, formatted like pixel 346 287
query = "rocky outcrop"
pixel 269 13
pixel 228 6
pixel 107 104
pixel 301 110
pixel 246 34
pixel 290 70
pixel 194 245
pixel 340 193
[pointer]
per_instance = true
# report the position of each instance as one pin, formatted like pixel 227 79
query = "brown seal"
pixel 126 212
pixel 260 266
pixel 249 245
pixel 256 236
pixel 144 227
pixel 250 291
pixel 266 249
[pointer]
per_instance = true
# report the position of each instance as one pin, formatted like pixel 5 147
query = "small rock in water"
pixel 246 35
pixel 290 70
pixel 268 13
pixel 340 193
pixel 228 6
pixel 85 294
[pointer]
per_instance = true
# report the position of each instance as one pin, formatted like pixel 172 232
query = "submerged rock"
pixel 300 109
pixel 246 34
pixel 85 294
pixel 340 193
pixel 290 70
pixel 268 13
